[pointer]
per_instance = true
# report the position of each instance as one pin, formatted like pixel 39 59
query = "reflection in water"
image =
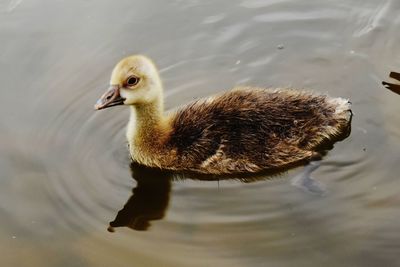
pixel 392 86
pixel 148 201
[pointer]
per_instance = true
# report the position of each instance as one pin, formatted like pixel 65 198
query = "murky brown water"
pixel 65 170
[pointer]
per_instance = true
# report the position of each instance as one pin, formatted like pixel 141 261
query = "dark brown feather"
pixel 255 129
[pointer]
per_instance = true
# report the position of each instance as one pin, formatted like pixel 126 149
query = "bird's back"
pixel 252 129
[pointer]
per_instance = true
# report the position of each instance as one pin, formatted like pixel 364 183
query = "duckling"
pixel 244 130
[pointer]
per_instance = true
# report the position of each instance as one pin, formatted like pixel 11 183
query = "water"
pixel 65 170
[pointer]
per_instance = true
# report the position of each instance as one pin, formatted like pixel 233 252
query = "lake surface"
pixel 64 168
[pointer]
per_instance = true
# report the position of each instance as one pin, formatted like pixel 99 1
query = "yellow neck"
pixel 146 124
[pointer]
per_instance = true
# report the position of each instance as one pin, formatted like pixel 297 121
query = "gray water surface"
pixel 64 168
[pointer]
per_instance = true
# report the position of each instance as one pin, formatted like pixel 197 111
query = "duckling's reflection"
pixel 149 200
pixel 150 197
pixel 395 88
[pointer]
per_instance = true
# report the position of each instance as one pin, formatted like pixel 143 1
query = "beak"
pixel 110 98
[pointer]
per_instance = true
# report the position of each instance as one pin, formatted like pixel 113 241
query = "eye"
pixel 132 80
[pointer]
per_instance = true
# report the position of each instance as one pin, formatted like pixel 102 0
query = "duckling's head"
pixel 134 81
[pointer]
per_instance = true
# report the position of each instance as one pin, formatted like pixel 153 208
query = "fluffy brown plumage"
pixel 251 130
pixel 240 131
